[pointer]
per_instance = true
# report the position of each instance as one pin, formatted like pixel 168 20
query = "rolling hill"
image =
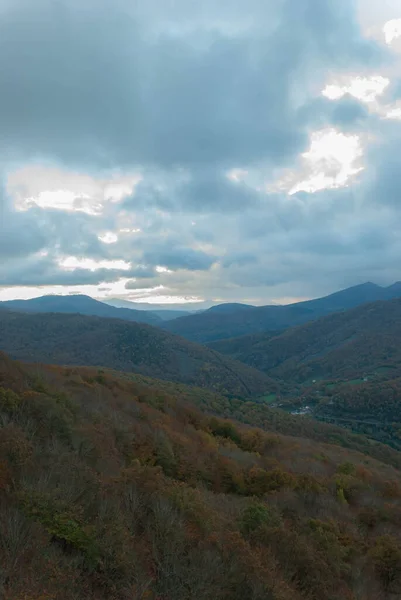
pixel 215 324
pixel 82 340
pixel 80 304
pixel 112 489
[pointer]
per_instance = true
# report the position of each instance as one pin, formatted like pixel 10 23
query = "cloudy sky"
pixel 177 150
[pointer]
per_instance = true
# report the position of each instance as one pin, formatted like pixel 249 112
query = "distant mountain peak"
pixel 79 304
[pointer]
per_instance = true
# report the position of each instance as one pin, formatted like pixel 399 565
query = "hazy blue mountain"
pixel 84 305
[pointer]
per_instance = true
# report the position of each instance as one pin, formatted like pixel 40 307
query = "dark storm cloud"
pixel 95 82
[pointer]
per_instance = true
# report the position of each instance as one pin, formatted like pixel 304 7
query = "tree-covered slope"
pixel 82 340
pixel 112 489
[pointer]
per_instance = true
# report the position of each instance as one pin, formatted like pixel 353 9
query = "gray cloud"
pixel 19 233
pixel 178 257
pixel 142 272
pixel 87 83
pixel 184 92
pixel 134 284
pixel 43 270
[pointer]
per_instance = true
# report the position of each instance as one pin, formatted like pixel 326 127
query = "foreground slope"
pixel 80 304
pixel 81 340
pixel 215 324
pixel 114 490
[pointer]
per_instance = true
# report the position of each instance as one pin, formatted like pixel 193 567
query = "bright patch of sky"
pixel 61 200
pixel 392 30
pixel 394 113
pixel 108 237
pixel 330 162
pixel 116 289
pixel 70 263
pixel 366 89
pixel 56 188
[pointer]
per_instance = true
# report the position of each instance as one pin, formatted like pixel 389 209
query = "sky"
pixel 184 152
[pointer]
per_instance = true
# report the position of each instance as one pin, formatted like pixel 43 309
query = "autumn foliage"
pixel 115 489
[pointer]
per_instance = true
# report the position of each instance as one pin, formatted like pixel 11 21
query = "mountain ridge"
pixel 79 304
pixel 211 326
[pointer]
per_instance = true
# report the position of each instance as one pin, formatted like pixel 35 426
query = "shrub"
pixel 9 400
pixel 225 429
pixel 346 468
pixel 257 515
pixel 260 482
pixel 386 557
pixel 62 526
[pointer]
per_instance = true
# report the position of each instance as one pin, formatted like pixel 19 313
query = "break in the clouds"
pixel 224 150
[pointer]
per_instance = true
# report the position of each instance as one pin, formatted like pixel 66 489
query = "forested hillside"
pixel 114 489
pixel 345 368
pixel 347 344
pixel 82 340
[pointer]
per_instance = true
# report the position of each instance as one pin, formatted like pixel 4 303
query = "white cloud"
pixel 330 162
pixel 366 89
pixel 61 200
pixel 392 30
pixel 108 237
pixel 70 263
pixel 394 113
pixel 128 230
pixel 56 188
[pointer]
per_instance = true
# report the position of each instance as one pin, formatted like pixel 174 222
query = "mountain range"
pixel 222 321
pixel 236 320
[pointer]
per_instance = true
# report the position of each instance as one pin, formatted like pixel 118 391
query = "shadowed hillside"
pixel 81 340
